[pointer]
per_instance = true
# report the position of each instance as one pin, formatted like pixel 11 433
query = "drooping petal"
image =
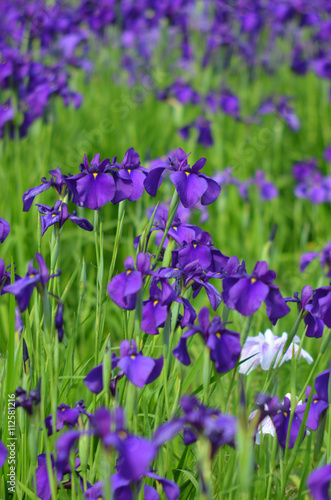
pixel 136 455
pixel 212 192
pixel 22 289
pixel 319 481
pixel 244 296
pixel 306 259
pixel 4 230
pixel 154 179
pixel 137 369
pixel 166 432
pixel 156 370
pixel 321 385
pixel 93 380
pixel 170 488
pixel 92 191
pixel 30 195
pixel 81 222
pixel 190 187
pixel 123 188
pixel 138 179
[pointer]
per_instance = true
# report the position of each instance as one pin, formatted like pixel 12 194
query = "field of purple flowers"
pixel 165 255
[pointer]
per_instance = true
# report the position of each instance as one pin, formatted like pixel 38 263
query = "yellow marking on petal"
pixel 54 215
pixel 187 173
pixel 31 275
pixel 194 245
pixel 122 434
pixel 129 271
pixel 315 400
pixel 155 302
pixel 218 335
pixel 285 414
pixel 95 174
pixel 253 280
pixel 133 356
pixel 175 228
pixel 129 170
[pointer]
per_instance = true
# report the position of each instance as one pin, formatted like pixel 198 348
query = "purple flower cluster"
pixel 312 185
pixel 34 78
pixel 266 190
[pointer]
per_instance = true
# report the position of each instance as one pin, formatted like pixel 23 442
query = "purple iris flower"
pixel 280 106
pixel 230 104
pixel 246 292
pixel 190 184
pixel 324 257
pixel 58 182
pixel 219 429
pixel 4 230
pixel 59 214
pixel 121 488
pixel 42 479
pixel 202 125
pixel 124 287
pixel 320 401
pixel 304 170
pixel 321 305
pixel 182 91
pixel 193 275
pixel 315 188
pixel 129 170
pixel 319 481
pixel 140 370
pixel 136 454
pixel 157 307
pixel 315 326
pixel 23 287
pixel 3 454
pixel 280 415
pixel 95 187
pixel 224 344
pixel 199 247
pixel 66 416
pixel 268 191
pixel 281 422
pixel 27 403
